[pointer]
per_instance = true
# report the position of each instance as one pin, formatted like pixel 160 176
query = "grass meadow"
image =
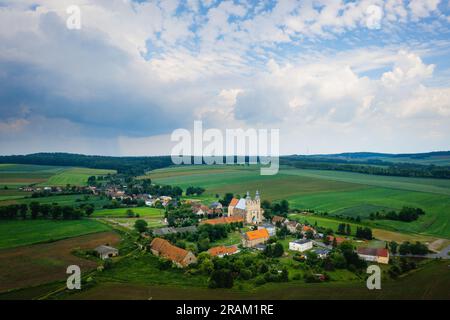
pixel 15 233
pixel 16 175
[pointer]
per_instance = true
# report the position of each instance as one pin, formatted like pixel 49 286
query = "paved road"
pixel 443 254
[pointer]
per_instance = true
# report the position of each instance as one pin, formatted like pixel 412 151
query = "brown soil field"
pixel 42 263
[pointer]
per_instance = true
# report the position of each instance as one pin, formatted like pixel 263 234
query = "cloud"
pixel 139 69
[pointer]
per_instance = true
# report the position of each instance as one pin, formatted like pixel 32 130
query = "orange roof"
pixel 380 252
pixel 222 250
pixel 224 220
pixel 233 202
pixel 339 240
pixel 257 234
pixel 306 228
pixel 169 251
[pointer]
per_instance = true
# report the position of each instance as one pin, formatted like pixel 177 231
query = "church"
pixel 248 208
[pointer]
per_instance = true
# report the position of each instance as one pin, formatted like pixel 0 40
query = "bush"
pixel 164 264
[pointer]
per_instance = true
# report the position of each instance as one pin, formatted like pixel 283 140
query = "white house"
pixel 300 245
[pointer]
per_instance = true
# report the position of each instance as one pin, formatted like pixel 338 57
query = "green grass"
pixel 14 175
pixel 347 193
pixel 431 281
pixel 74 176
pixel 14 233
pixel 143 212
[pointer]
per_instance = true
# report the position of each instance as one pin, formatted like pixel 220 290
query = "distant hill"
pixel 435 158
pixel 128 165
pixel 431 164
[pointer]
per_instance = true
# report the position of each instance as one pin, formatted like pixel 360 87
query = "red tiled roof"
pixel 224 220
pixel 380 252
pixel 339 240
pixel 222 250
pixel 257 234
pixel 233 202
pixel 169 251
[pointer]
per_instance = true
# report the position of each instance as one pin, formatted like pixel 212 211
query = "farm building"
pixel 105 252
pixel 180 257
pixel 339 240
pixel 300 245
pixel 252 238
pixel 223 220
pixel 222 251
pixel 380 255
pixel 171 230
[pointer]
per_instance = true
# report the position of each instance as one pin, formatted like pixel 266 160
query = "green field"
pixel 430 282
pixel 15 175
pixel 346 193
pixel 143 212
pixel 14 233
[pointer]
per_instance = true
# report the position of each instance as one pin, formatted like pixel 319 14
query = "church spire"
pixel 257 195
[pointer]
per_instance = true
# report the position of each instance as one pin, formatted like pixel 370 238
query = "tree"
pixel 140 225
pixel 341 228
pixel 393 246
pixel 34 208
pixel 130 213
pixel 348 230
pixel 221 279
pixel 89 209
pixel 23 209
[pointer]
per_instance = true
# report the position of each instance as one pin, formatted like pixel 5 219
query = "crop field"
pixel 346 193
pixel 154 217
pixel 14 233
pixel 15 175
pixel 44 263
pixel 430 282
pixel 143 212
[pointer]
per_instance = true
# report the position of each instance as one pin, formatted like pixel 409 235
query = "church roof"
pixel 241 204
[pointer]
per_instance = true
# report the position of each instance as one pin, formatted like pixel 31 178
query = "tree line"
pixel 35 210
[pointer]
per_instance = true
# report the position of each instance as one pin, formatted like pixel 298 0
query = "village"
pixel 192 235
pixel 277 237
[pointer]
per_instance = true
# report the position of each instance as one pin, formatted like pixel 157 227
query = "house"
pixel 305 229
pixel 105 252
pixel 322 253
pixel 379 255
pixel 247 208
pixel 292 226
pixel 270 228
pixel 300 245
pixel 222 251
pixel 339 240
pixel 200 209
pixel 180 257
pixel 223 220
pixel 278 219
pixel 216 205
pixel 252 238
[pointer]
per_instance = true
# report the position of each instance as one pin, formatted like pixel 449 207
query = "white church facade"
pixel 248 208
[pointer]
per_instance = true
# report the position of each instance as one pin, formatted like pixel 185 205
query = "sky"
pixel 333 76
